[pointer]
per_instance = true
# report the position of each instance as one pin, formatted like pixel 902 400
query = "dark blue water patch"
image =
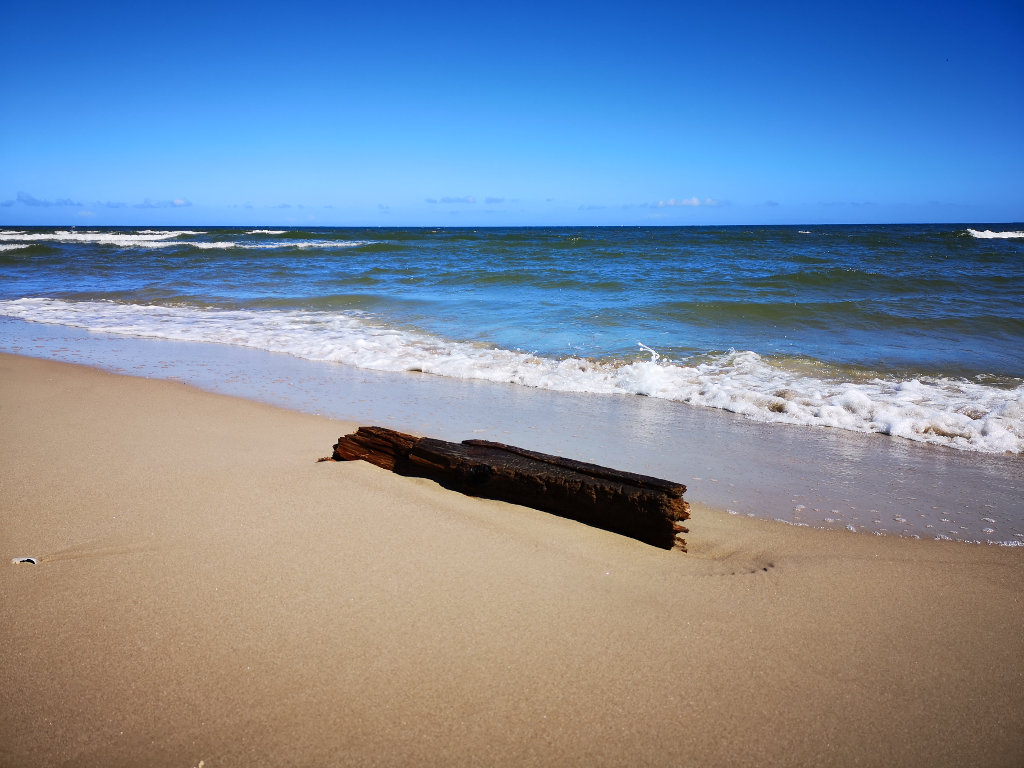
pixel 22 253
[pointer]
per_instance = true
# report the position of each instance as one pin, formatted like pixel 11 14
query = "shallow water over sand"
pixel 823 478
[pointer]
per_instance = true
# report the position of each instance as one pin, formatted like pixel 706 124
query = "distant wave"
pixel 167 232
pixel 13 246
pixel 302 244
pixel 989 234
pixel 143 238
pixel 266 231
pixel 953 412
pixel 161 239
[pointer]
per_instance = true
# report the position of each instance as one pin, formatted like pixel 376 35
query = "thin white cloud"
pixel 175 203
pixel 451 200
pixel 688 202
pixel 24 198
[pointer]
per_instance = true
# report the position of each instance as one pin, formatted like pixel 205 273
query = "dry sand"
pixel 207 592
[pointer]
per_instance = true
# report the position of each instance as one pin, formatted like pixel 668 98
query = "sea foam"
pixel 953 412
pixel 988 234
pixel 148 238
pixel 143 238
pixel 226 245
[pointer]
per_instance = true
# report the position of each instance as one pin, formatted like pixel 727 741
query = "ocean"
pixel 909 335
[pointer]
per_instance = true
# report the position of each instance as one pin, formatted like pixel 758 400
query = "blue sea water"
pixel 916 332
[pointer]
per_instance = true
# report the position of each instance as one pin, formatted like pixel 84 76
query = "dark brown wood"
pixel 384 447
pixel 645 508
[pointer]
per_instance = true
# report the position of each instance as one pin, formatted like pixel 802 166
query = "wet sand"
pixel 207 591
pixel 826 478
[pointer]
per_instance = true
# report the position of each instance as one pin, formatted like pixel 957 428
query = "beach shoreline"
pixel 205 590
pixel 800 475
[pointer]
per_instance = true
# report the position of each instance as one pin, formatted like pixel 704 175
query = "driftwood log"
pixel 638 506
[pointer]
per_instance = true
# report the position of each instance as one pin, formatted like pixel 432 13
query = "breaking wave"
pixel 954 412
pixel 988 234
pixel 162 239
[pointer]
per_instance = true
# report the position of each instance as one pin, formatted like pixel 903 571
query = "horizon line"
pixel 81 225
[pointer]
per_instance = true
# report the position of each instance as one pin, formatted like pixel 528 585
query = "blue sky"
pixel 312 113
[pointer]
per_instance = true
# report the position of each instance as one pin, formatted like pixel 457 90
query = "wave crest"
pixel 149 238
pixel 988 234
pixel 957 413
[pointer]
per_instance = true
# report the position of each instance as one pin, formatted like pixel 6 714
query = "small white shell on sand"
pixel 30 560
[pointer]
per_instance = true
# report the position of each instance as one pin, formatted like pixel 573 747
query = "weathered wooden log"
pixel 384 447
pixel 644 508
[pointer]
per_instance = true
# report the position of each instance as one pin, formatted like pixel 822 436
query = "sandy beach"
pixel 206 591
